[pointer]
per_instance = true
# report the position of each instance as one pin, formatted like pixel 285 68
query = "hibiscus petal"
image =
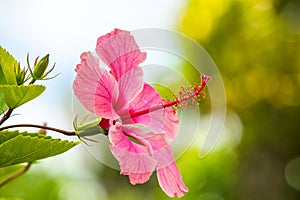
pixel 163 120
pixel 134 158
pixel 96 89
pixel 147 99
pixel 130 85
pixel 138 131
pixel 168 175
pixel 170 181
pixel 106 96
pixel 119 51
pixel 83 57
pixel 171 124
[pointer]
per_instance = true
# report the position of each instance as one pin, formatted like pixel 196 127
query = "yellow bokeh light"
pixel 201 17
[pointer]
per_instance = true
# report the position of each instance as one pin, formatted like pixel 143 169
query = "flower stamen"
pixel 186 98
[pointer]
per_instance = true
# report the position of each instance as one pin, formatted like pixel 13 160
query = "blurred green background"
pixel 256 46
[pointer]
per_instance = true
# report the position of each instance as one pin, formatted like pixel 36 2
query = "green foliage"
pixel 3 106
pixel 7 65
pixel 12 74
pixel 20 75
pixel 35 184
pixel 13 91
pixel 16 95
pixel 23 147
pixel 6 172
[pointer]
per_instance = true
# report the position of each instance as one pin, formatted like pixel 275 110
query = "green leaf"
pixel 6 172
pixel 16 95
pixel 2 77
pixel 7 67
pixel 3 106
pixel 16 148
pixel 5 135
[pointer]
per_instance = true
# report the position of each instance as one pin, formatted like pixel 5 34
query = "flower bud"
pixel 40 68
pixel 20 74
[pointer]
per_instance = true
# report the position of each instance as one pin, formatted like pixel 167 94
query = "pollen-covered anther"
pixel 176 103
pixel 189 96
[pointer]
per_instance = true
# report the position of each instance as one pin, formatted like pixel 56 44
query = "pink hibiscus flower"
pixel 138 121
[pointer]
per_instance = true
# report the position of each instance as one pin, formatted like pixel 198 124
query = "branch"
pixel 6 116
pixel 22 171
pixel 68 133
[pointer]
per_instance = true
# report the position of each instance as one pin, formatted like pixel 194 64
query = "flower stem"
pixel 12 177
pixel 6 115
pixel 68 133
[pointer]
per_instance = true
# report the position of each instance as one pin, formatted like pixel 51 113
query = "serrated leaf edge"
pixel 42 137
pixel 26 134
pixel 41 149
pixel 23 86
pixel 9 58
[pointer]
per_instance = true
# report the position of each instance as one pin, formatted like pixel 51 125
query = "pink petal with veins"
pixel 171 124
pixel 170 181
pixel 119 51
pixel 163 120
pixel 96 89
pixel 168 175
pixel 134 158
pixel 130 85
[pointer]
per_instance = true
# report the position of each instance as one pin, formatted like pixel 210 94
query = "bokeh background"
pixel 254 43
